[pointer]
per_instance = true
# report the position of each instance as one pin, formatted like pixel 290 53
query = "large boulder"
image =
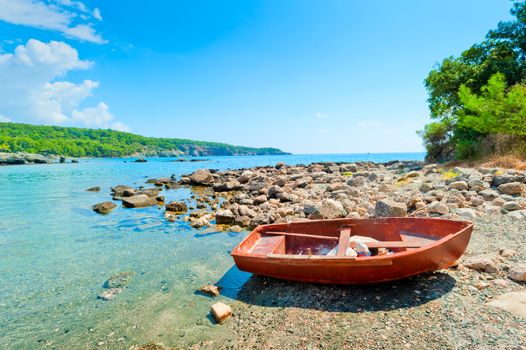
pixel 388 208
pixel 140 200
pixel 511 188
pixel 201 177
pixel 104 207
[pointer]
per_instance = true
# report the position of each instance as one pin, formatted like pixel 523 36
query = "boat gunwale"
pixel 278 258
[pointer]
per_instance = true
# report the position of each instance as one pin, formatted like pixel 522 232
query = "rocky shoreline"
pixel 264 195
pixel 20 158
pixel 477 304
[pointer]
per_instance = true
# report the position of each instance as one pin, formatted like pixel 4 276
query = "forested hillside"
pixel 79 142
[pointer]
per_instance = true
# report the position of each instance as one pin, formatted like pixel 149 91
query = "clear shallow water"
pixel 56 254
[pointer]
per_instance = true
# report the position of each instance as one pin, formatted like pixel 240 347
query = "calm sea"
pixel 56 254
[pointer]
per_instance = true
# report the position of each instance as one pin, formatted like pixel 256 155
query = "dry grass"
pixel 505 162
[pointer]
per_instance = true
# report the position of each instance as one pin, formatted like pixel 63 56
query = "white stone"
pixel 220 312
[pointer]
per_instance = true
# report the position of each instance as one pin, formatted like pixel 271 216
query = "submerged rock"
pixel 109 294
pixel 119 280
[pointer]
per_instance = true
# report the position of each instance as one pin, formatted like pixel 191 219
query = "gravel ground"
pixel 441 310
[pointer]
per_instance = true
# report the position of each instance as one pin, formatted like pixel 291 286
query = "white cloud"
pixel 321 115
pixel 4 119
pixel 369 124
pixel 323 131
pixel 96 14
pixel 31 92
pixel 58 15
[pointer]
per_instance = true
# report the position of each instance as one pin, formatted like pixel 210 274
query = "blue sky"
pixel 305 76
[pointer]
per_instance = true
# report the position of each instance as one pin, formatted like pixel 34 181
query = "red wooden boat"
pixel 316 251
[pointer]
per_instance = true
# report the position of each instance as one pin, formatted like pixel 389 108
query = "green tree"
pixel 484 70
pixel 496 110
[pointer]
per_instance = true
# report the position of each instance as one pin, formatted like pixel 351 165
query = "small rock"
pixel 220 312
pixel 389 208
pixel 225 217
pixel 482 285
pixel 235 228
pixel 426 187
pixel 94 189
pixel 511 206
pixel 511 188
pixel 518 272
pixel 210 290
pixel 507 253
pixel 177 207
pixel 458 185
pixel 438 208
pixel 467 213
pixel 260 199
pixel 481 263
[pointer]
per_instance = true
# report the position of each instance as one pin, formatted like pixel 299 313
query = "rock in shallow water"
pixel 104 207
pixel 220 312
pixel 201 177
pixel 177 207
pixel 138 201
pixel 210 290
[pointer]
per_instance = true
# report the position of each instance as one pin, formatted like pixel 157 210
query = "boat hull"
pixel 341 270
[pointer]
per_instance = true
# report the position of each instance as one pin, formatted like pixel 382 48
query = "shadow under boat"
pixel 270 292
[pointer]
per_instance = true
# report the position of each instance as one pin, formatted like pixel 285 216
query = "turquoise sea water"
pixel 56 254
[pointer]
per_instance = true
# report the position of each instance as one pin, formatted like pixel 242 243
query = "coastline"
pixel 427 308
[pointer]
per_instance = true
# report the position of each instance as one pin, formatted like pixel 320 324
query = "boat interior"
pixel 331 239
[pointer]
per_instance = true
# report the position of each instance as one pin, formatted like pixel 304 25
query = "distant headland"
pixel 105 143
